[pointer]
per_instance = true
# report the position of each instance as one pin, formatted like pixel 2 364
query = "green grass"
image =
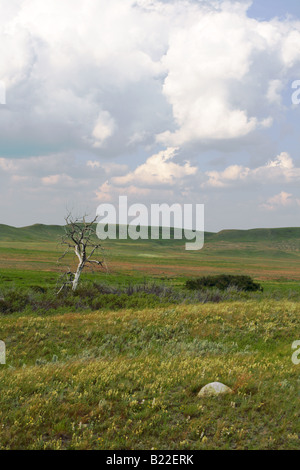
pixel 130 379
pixel 259 234
pixel 27 279
pixel 42 232
pixel 115 378
pixel 35 232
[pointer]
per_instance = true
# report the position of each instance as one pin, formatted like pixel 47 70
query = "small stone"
pixel 213 389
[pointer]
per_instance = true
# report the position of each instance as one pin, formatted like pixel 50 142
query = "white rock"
pixel 214 389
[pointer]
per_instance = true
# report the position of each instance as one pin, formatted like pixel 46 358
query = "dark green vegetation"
pixel 119 364
pixel 223 282
pixel 92 296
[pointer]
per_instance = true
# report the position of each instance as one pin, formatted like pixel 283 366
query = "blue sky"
pixel 178 101
pixel 267 9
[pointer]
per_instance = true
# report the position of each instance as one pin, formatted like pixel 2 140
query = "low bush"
pixel 100 296
pixel 87 297
pixel 223 282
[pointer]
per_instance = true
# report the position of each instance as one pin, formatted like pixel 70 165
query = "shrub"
pixel 96 296
pixel 223 282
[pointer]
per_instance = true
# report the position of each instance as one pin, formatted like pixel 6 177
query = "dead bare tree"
pixel 80 237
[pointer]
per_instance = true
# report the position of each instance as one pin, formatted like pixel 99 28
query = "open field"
pixel 263 254
pixel 82 378
pixel 129 379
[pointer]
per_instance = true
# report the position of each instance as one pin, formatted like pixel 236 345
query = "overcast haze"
pixel 163 101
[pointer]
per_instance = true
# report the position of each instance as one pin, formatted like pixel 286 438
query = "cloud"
pixel 108 193
pixel 159 169
pixel 279 170
pixel 160 172
pixel 108 168
pixel 52 180
pixel 45 193
pixel 274 91
pixel 68 66
pixel 177 182
pixel 290 46
pixel 283 161
pixel 100 94
pixel 108 76
pixel 43 172
pixel 104 128
pixel 7 165
pixel 215 61
pixel 221 179
pixel 282 199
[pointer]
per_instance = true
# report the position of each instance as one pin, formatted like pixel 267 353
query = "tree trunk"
pixel 79 237
pixel 77 276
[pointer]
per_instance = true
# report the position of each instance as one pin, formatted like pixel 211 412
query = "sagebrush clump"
pixel 224 281
pixel 101 296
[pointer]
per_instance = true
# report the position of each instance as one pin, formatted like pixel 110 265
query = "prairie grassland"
pixel 130 379
pixel 262 260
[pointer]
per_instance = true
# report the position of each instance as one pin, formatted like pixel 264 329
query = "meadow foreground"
pixel 129 379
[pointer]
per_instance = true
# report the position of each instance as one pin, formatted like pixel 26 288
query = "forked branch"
pixel 80 237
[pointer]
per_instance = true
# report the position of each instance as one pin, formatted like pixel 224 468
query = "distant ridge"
pixel 37 232
pixel 40 232
pixel 258 234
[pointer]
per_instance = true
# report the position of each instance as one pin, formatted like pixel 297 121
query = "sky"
pixel 178 101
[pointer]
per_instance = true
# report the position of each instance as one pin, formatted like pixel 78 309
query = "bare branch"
pixel 79 237
pixel 100 263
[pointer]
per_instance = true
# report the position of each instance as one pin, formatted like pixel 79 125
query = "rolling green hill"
pixel 40 232
pixel 37 232
pixel 259 234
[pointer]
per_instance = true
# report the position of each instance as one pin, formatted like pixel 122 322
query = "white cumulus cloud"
pixel 159 169
pixel 104 128
pixel 279 170
pixel 177 72
pixel 282 199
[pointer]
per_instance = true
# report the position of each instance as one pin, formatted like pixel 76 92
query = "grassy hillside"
pixel 37 232
pixel 40 232
pixel 258 235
